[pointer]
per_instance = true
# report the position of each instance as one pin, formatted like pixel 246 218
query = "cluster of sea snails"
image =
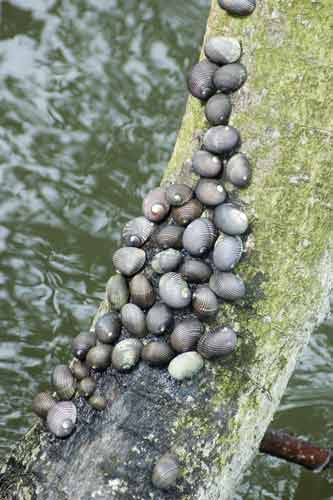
pixel 176 266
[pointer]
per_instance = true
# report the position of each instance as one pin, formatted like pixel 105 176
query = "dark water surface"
pixel 91 97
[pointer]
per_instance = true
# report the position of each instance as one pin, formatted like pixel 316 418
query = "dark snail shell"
pixel 187 213
pixel 185 365
pixel 133 319
pixel 61 419
pixel 178 194
pixel 63 382
pixel 108 328
pixel 79 369
pixel 165 472
pixel 82 343
pixel 205 164
pixel 42 403
pixel 200 80
pixel 230 219
pixel 221 139
pixel 97 402
pixel 126 354
pixel 186 334
pixel 157 353
pixel 210 192
pixel 170 236
pixel 166 261
pixel 205 303
pixel 227 252
pixel 217 343
pixel 117 291
pixel 195 270
pixel 137 231
pixel 238 170
pixel 159 319
pixel 174 291
pixel 227 286
pixel 99 357
pixel 129 260
pixel 199 237
pixel 142 292
pixel 238 7
pixel 222 50
pixel 155 205
pixel 230 77
pixel 218 109
pixel 87 386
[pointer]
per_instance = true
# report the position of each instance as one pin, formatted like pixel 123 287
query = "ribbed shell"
pixel 129 260
pixel 99 357
pixel 230 77
pixel 186 334
pixel 170 236
pixel 218 109
pixel 108 328
pixel 166 261
pixel 238 7
pixel 157 353
pixel 79 370
pixel 42 403
pixel 199 237
pixel 165 472
pixel 227 286
pixel 204 303
pixel 217 343
pixel 205 164
pixel 82 343
pixel 159 319
pixel 133 319
pixel 126 354
pixel 222 50
pixel 195 270
pixel 97 402
pixel 230 219
pixel 185 365
pixel 200 80
pixel 137 231
pixel 221 139
pixel 174 291
pixel 142 292
pixel 117 291
pixel 238 170
pixel 227 252
pixel 155 206
pixel 187 213
pixel 61 419
pixel 87 386
pixel 178 194
pixel 63 382
pixel 210 192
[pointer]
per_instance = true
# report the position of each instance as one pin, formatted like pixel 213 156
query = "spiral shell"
pixel 97 402
pixel 238 170
pixel 157 353
pixel 108 328
pixel 129 260
pixel 210 192
pixel 238 7
pixel 117 291
pixel 82 343
pixel 63 382
pixel 230 219
pixel 221 139
pixel 166 261
pixel 165 472
pixel 79 369
pixel 142 292
pixel 42 403
pixel 200 80
pixel 159 319
pixel 218 109
pixel 195 270
pixel 87 386
pixel 155 205
pixel 174 291
pixel 185 365
pixel 186 334
pixel 227 252
pixel 133 319
pixel 126 354
pixel 230 77
pixel 205 164
pixel 227 286
pixel 199 237
pixel 217 343
pixel 205 303
pixel 222 50
pixel 99 357
pixel 187 213
pixel 61 419
pixel 178 194
pixel 137 231
pixel 170 236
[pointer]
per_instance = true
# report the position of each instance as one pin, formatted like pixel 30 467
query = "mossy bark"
pixel 215 422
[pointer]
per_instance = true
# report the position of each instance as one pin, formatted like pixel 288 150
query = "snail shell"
pixel 227 286
pixel 165 472
pixel 108 328
pixel 185 365
pixel 186 335
pixel 218 109
pixel 133 319
pixel 221 139
pixel 187 213
pixel 178 194
pixel 210 192
pixel 195 270
pixel 200 80
pixel 230 77
pixel 205 164
pixel 238 7
pixel 97 402
pixel 137 231
pixel 174 291
pixel 238 170
pixel 79 370
pixel 63 382
pixel 142 292
pixel 157 353
pixel 227 252
pixel 42 403
pixel 117 291
pixel 155 205
pixel 230 219
pixel 99 357
pixel 129 260
pixel 170 236
pixel 159 319
pixel 205 303
pixel 82 343
pixel 199 237
pixel 217 343
pixel 126 354
pixel 166 261
pixel 61 419
pixel 223 50
pixel 87 386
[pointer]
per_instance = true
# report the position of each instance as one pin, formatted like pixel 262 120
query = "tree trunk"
pixel 216 421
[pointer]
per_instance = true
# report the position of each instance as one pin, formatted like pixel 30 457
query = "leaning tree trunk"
pixel 216 421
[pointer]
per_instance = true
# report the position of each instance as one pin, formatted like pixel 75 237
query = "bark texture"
pixel 216 421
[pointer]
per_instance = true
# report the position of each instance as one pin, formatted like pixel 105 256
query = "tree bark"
pixel 215 422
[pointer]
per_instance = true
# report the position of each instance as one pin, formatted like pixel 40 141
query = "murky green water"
pixel 91 97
